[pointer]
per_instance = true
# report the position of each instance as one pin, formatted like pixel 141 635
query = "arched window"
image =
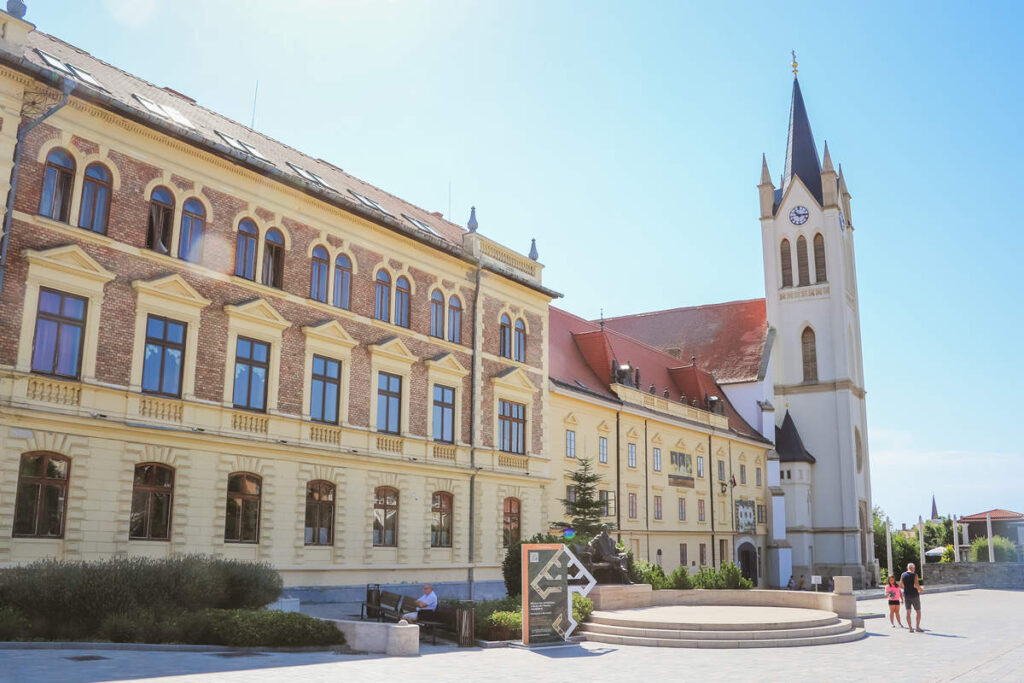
pixel 193 219
pixel 245 250
pixel 810 355
pixel 152 494
pixel 786 259
pixel 382 301
pixel 342 281
pixel 41 500
pixel 441 520
pixel 58 178
pixel 318 275
pixel 801 262
pixel 437 314
pixel 454 320
pixel 402 302
pixel 95 199
pixel 242 521
pixel 520 341
pixel 319 513
pixel 385 517
pixel 820 274
pixel 161 215
pixel 273 259
pixel 505 343
pixel 510 526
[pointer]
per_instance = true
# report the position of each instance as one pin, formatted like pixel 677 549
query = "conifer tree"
pixel 585 512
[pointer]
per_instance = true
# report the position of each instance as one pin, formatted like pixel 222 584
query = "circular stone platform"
pixel 715 618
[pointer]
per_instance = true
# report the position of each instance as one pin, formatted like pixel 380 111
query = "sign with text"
pixel 551 573
pixel 681 472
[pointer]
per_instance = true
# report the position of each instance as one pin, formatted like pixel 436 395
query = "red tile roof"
pixel 998 515
pixel 729 340
pixel 581 355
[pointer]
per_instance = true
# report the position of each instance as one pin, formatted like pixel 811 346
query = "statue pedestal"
pixel 620 596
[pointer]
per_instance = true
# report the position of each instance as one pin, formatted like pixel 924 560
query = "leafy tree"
pixel 939 533
pixel 512 565
pixel 586 510
pixel 1006 550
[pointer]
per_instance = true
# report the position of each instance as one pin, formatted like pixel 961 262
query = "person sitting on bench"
pixel 425 605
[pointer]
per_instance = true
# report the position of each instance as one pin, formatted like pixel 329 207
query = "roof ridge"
pixel 176 94
pixel 684 308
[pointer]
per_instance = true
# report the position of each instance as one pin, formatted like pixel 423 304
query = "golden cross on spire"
pixel 793 52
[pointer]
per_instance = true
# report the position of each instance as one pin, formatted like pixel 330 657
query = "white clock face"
pixel 799 214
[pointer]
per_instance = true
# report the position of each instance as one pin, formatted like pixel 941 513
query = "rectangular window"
pixel 682 555
pixel 570 499
pixel 163 360
pixel 444 414
pixel 700 510
pixel 632 506
pixel 700 465
pixel 743 474
pixel 760 514
pixel 632 455
pixel 325 390
pixel 441 520
pixel 607 499
pixel 512 427
pixel 60 329
pixel 682 509
pixel 252 366
pixel 602 449
pixel 703 554
pixel 389 403
pixel 757 475
pixel 721 470
pixel 319 513
pixel 570 443
pixel 657 507
pixel 657 460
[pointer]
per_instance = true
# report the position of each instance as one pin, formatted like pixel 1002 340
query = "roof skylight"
pixel 370 203
pixel 164 111
pixel 245 147
pixel 420 224
pixel 86 77
pixel 70 69
pixel 54 62
pixel 310 176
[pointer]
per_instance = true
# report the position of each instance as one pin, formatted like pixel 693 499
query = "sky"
pixel 627 139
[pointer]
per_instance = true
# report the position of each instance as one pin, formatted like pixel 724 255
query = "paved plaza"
pixel 975 635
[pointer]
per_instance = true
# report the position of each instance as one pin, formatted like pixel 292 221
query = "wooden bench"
pixel 389 607
pixel 444 619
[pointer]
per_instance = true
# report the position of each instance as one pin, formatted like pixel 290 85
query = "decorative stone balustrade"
pixel 54 391
pixel 160 409
pixel 443 452
pixel 248 422
pixel 325 434
pixel 389 444
pixel 508 461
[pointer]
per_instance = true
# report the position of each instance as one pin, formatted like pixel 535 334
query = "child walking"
pixel 895 595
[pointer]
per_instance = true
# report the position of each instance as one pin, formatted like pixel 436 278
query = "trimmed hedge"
pixel 728 577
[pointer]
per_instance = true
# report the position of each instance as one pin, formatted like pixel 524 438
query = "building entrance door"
pixel 747 555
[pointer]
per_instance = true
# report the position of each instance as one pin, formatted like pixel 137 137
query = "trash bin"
pixel 465 625
pixel 372 600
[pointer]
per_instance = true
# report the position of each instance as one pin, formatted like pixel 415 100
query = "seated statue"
pixel 604 560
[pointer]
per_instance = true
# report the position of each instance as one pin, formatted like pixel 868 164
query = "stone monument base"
pixel 609 596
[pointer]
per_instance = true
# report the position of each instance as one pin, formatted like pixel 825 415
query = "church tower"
pixel 811 300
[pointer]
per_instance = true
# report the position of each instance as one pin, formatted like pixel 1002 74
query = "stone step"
pixel 845 637
pixel 840 626
pixel 621 619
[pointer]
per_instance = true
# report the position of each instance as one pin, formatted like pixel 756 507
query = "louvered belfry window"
pixel 801 262
pixel 820 274
pixel 786 257
pixel 810 355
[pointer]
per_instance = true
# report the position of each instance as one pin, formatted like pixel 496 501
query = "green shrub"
pixel 707 578
pixel 485 608
pixel 680 578
pixel 948 555
pixel 505 625
pixel 1006 550
pixel 652 574
pixel 12 624
pixel 581 607
pixel 731 577
pixel 512 565
pixel 246 628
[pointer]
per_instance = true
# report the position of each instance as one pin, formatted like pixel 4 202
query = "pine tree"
pixel 587 509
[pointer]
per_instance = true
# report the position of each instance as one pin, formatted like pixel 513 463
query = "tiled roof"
pixel 205 125
pixel 998 515
pixel 788 443
pixel 729 340
pixel 581 354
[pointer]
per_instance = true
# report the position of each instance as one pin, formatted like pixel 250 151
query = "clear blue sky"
pixel 627 138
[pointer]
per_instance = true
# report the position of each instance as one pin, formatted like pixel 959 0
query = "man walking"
pixel 912 594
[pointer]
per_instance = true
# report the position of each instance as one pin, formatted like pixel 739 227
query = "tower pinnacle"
pixel 793 52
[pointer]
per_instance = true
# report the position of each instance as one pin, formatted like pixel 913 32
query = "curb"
pixel 162 647
pixel 927 591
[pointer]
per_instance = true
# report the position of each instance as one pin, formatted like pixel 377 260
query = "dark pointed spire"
pixel 472 225
pixel 801 154
pixel 533 249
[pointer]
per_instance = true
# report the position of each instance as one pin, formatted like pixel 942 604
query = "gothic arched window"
pixel 318 275
pixel 810 355
pixel 402 302
pixel 437 314
pixel 801 262
pixel 820 274
pixel 786 258
pixel 505 344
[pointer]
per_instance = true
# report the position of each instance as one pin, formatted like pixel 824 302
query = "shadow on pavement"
pixel 564 652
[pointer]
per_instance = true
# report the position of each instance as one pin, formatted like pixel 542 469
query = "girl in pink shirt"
pixel 895 594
